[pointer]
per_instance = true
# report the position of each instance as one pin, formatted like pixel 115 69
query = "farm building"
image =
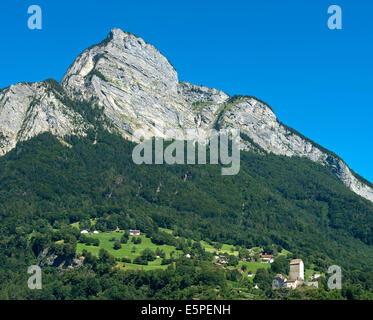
pixel 266 256
pixel 134 232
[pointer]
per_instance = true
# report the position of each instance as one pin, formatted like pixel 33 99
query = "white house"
pixel 266 257
pixel 134 232
pixel 292 284
pixel 96 232
pixel 84 231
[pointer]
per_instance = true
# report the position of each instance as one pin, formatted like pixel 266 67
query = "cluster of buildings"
pixel 87 232
pixel 296 277
pixel 131 232
pixel 220 260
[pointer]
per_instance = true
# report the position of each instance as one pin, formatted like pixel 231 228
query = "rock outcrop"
pixel 137 87
pixel 28 109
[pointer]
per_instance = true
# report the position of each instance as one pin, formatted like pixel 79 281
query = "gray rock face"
pixel 139 89
pixel 135 84
pixel 47 258
pixel 27 110
pixel 259 122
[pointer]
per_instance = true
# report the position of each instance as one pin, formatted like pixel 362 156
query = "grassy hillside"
pixel 106 241
pixel 126 250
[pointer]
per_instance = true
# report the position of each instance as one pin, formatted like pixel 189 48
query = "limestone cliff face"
pixel 259 122
pixel 139 89
pixel 135 84
pixel 28 109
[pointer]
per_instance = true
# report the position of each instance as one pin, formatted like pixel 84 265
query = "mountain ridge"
pixel 137 87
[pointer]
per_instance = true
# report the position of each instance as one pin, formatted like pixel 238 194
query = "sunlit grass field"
pixel 127 250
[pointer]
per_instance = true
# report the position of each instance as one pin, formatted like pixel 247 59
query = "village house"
pixel 84 232
pixel 266 257
pixel 134 232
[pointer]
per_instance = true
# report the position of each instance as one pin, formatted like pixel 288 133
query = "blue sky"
pixel 318 81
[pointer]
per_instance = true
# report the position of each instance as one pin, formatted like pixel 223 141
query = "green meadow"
pixel 131 251
pixel 252 267
pixel 225 249
pixel 127 250
pixel 152 265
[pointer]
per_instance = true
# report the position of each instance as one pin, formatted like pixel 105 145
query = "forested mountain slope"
pixel 291 202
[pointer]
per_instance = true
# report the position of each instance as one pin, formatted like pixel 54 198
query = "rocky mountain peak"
pixel 137 87
pixel 125 52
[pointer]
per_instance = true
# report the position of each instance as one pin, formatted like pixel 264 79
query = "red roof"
pixel 266 256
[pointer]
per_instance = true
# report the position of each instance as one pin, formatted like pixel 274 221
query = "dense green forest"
pixel 290 203
pixel 274 202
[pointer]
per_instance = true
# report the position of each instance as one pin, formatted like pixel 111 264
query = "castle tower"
pixel 296 269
